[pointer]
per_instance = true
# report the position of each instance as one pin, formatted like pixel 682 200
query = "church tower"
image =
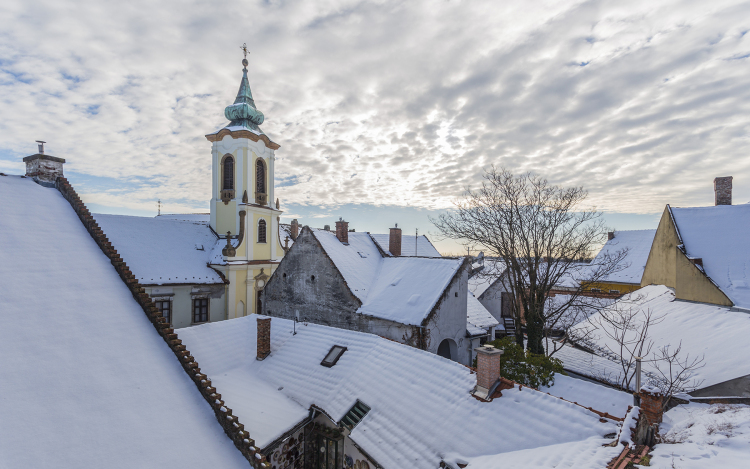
pixel 243 211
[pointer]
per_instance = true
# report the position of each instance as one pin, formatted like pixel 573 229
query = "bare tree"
pixel 540 233
pixel 674 373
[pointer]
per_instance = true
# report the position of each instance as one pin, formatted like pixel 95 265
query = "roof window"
pixel 355 414
pixel 333 355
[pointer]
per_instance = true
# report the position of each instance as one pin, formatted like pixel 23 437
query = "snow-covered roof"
pixel 489 272
pixel 705 330
pixel 86 379
pixel 401 289
pixel 410 245
pixel 719 236
pixel 201 217
pixel 478 319
pixel 421 406
pixel 162 250
pixel 638 243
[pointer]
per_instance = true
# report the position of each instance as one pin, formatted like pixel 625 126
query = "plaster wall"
pixel 182 301
pixel 668 265
pixel 448 319
pixel 491 300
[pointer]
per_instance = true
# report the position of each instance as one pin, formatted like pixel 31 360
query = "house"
pixel 87 380
pixel 626 278
pixel 169 255
pixel 344 280
pixel 372 402
pixel 714 333
pixel 487 286
pixel 702 252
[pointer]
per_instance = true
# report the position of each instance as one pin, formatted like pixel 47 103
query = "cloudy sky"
pixel 385 111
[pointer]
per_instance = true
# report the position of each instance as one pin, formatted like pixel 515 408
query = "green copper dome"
pixel 243 112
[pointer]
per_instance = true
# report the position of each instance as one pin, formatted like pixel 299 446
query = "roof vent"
pixel 333 355
pixel 355 414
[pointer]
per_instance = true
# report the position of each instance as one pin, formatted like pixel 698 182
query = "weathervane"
pixel 244 52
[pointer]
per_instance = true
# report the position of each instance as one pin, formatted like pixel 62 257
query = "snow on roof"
pixel 696 436
pixel 410 245
pixel 705 330
pixel 401 289
pixel 719 236
pixel 201 217
pixel 418 400
pixel 638 243
pixel 285 231
pixel 162 250
pixel 587 364
pixel 87 381
pixel 588 394
pixel 489 273
pixel 478 319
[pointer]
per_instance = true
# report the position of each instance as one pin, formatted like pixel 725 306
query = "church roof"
pixel 163 250
pixel 87 381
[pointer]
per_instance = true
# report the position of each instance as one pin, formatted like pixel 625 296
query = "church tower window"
pixel 261 196
pixel 261 231
pixel 227 178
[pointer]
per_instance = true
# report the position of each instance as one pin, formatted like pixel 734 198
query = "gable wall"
pixel 668 265
pixel 491 299
pixel 448 319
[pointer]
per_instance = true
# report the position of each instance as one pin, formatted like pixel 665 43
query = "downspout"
pixel 242 228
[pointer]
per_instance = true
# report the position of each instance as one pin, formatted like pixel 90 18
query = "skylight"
pixel 333 355
pixel 355 414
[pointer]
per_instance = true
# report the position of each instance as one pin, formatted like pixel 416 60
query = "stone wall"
pixel 231 425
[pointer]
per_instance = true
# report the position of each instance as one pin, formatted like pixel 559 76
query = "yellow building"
pixel 244 211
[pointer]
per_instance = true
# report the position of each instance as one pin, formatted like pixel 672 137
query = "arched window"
pixel 261 231
pixel 260 176
pixel 228 183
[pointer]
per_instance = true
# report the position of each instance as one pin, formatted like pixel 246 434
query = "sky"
pixel 386 111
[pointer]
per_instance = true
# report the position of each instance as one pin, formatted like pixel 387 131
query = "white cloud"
pixel 398 103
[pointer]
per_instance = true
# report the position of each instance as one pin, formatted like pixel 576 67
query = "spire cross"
pixel 244 49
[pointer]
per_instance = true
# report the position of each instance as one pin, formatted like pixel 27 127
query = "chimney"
pixel 264 338
pixel 342 231
pixel 44 169
pixel 394 242
pixel 295 229
pixel 723 190
pixel 651 405
pixel 610 236
pixel 488 367
pixel 327 227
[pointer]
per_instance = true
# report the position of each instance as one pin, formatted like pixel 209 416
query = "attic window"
pixel 362 255
pixel 333 355
pixel 355 414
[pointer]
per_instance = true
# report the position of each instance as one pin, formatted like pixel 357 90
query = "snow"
pixel 588 394
pixel 86 380
pixel 401 289
pixel 590 453
pixel 162 250
pixel 638 243
pixel 705 330
pixel 489 273
pixel 718 235
pixel 410 245
pixel 697 436
pixel 587 364
pixel 478 319
pixel 199 217
pixel 421 404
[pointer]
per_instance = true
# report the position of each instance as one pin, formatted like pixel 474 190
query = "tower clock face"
pixel 261 283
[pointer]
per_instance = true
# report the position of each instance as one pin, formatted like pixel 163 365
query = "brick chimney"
pixel 651 405
pixel 295 229
pixel 42 168
pixel 264 338
pixel 488 367
pixel 723 190
pixel 342 231
pixel 610 235
pixel 394 241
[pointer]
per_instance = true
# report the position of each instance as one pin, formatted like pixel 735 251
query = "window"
pixel 355 414
pixel 326 454
pixel 200 310
pixel 260 176
pixel 261 231
pixel 596 290
pixel 228 183
pixel 333 356
pixel 165 308
pixel 615 292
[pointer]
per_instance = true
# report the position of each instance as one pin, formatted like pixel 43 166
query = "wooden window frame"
pixel 208 309
pixel 161 310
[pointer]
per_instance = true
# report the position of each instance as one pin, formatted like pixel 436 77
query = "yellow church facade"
pixel 244 210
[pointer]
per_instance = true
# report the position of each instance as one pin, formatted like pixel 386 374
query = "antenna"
pixel 41 146
pixel 158 204
pixel 416 242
